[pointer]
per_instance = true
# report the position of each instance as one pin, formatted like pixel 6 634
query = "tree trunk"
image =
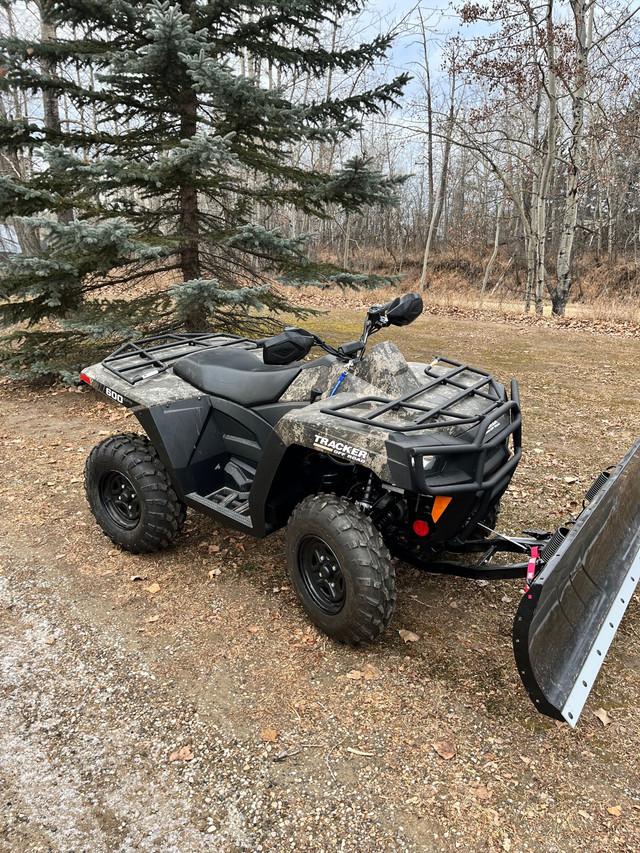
pixel 436 212
pixel 347 241
pixel 496 243
pixel 427 70
pixel 584 30
pixel 549 152
pixel 196 321
pixel 50 105
pixel 12 166
pixel 530 259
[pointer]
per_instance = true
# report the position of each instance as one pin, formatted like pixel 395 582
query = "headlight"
pixel 429 462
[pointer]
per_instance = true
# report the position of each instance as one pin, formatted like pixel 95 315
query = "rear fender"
pixel 567 620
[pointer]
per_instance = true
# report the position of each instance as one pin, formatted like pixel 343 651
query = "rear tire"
pixel 340 569
pixel 130 494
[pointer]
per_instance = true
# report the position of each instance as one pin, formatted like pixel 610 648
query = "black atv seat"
pixel 239 375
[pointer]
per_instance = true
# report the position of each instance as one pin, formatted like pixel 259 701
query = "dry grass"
pixel 605 291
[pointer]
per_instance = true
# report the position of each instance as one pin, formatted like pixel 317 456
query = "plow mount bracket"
pixel 568 618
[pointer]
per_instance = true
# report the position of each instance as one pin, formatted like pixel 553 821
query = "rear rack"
pixel 433 416
pixel 138 360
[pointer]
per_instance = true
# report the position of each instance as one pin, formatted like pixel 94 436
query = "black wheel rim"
pixel 321 574
pixel 120 499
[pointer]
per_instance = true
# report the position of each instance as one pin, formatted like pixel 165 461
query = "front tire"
pixel 130 494
pixel 340 569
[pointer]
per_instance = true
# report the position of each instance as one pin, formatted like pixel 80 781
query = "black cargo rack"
pixel 138 360
pixel 432 417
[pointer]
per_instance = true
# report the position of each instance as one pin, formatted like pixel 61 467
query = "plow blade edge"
pixel 567 620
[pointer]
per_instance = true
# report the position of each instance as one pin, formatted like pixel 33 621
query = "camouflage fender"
pixel 316 428
pixel 383 371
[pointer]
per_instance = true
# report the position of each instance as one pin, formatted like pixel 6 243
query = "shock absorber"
pixel 365 503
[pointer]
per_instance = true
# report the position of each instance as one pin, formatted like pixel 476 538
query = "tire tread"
pixel 164 513
pixel 375 574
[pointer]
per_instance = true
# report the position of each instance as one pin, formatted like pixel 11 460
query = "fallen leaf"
pixel 50 641
pixel 253 629
pixel 408 636
pixel 370 672
pixel 506 844
pixel 616 811
pixel 506 599
pixel 152 618
pixel 214 573
pixel 603 716
pixel 182 754
pixel 445 749
pixel 269 735
pixel 213 549
pixel 360 752
pixel 481 792
pixel 355 674
pixel 584 814
pixel 137 578
pixel 155 587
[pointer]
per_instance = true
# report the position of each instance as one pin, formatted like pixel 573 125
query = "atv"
pixel 363 457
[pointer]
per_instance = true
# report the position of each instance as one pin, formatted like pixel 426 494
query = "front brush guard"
pixel 568 618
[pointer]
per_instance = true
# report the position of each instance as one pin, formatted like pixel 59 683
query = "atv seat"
pixel 239 375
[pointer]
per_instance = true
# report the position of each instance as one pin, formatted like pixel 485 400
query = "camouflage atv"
pixel 363 457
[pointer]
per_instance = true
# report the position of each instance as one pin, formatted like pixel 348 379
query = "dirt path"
pixel 207 714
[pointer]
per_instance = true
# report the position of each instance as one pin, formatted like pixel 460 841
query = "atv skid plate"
pixel 568 618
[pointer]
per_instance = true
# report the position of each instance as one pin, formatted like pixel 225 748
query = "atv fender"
pixel 568 618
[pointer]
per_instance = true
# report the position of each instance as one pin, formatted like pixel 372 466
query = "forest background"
pixel 480 150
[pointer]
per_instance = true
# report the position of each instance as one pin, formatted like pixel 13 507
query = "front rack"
pixel 138 360
pixel 413 415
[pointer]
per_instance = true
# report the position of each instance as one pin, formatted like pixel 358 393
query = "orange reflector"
pixel 439 506
pixel 420 528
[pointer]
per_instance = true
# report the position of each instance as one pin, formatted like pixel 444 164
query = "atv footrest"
pixel 230 499
pixel 230 503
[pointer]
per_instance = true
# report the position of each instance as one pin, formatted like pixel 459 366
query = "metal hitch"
pixel 568 618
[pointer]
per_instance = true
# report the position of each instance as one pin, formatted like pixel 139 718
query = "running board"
pixel 568 618
pixel 227 503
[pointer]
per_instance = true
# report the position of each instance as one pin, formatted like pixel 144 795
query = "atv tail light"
pixel 420 527
pixel 85 378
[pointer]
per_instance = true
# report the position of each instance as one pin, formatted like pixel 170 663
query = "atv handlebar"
pixel 293 343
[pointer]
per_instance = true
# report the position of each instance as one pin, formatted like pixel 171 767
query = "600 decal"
pixel 114 395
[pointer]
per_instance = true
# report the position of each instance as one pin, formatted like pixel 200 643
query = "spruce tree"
pixel 169 210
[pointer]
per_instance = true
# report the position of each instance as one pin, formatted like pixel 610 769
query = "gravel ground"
pixel 182 702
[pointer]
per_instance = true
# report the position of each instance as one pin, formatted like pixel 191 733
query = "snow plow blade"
pixel 568 618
